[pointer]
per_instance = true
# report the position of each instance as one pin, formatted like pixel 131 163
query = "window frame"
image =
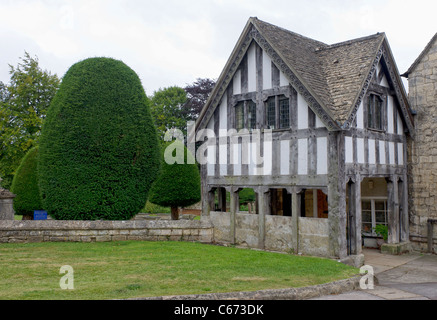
pixel 373 212
pixel 278 114
pixel 251 121
pixel 285 118
pixel 271 115
pixel 240 122
pixel 372 111
pixel 242 110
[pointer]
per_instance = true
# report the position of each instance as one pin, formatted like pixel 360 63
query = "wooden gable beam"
pixel 295 81
pixel 384 55
pixel 225 78
pixel 249 34
pixel 396 82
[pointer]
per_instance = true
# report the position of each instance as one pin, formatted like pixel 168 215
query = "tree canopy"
pixel 197 94
pixel 173 107
pixel 178 184
pixel 24 102
pixel 166 108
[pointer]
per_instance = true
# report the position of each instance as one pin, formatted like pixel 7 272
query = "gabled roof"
pixel 332 78
pixel 334 73
pixel 420 57
pixel 346 67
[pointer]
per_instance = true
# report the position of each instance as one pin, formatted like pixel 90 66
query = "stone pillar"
pixel 6 205
pixel 393 209
pixel 206 193
pixel 295 214
pixel 234 205
pixel 336 196
pixel 354 216
pixel 403 210
pixel 264 208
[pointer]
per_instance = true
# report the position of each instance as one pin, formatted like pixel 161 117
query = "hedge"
pixel 25 185
pixel 99 152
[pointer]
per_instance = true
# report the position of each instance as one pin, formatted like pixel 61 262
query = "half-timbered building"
pixel 318 132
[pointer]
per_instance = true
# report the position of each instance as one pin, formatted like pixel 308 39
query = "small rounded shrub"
pixel 25 185
pixel 178 184
pixel 99 152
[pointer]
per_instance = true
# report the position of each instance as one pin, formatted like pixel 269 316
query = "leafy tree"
pixel 25 186
pixel 166 109
pixel 197 94
pixel 247 195
pixel 173 107
pixel 23 107
pixel 99 152
pixel 178 184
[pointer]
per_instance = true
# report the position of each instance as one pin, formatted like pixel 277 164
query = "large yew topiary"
pixel 25 186
pixel 99 152
pixel 178 184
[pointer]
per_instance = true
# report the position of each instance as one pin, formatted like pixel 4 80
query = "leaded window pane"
pixel 374 112
pixel 284 113
pixel 252 115
pixel 271 113
pixel 239 116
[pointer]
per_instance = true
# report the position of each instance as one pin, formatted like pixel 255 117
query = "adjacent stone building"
pixel 422 156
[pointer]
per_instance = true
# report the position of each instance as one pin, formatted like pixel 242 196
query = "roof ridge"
pixel 304 64
pixel 347 42
pixel 290 32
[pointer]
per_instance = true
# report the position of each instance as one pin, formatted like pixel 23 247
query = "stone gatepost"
pixel 6 205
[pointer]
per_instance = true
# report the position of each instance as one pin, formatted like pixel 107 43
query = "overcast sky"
pixel 174 42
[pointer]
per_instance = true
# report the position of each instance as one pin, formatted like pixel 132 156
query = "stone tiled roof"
pixel 334 74
pixel 299 53
pixel 346 66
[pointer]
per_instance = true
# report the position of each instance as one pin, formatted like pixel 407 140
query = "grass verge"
pixel 118 270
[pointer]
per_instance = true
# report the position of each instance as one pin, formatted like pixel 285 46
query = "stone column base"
pixel 356 260
pixel 396 248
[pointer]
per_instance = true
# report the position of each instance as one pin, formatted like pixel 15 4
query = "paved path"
pixel 405 277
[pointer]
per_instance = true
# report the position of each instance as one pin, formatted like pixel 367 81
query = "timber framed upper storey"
pixel 302 88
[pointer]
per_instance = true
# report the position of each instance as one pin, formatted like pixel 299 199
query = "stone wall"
pixel 313 236
pixel 279 233
pixel 247 229
pixel 222 226
pixel 100 231
pixel 422 82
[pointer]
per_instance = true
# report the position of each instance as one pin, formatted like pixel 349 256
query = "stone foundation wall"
pixel 313 236
pixel 222 226
pixel 247 229
pixel 422 152
pixel 278 232
pixel 96 231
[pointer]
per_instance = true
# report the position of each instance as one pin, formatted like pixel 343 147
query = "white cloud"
pixel 174 42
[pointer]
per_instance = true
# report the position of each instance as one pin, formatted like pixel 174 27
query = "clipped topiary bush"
pixel 178 184
pixel 25 186
pixel 99 153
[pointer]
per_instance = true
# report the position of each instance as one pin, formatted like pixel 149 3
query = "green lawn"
pixel 117 270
